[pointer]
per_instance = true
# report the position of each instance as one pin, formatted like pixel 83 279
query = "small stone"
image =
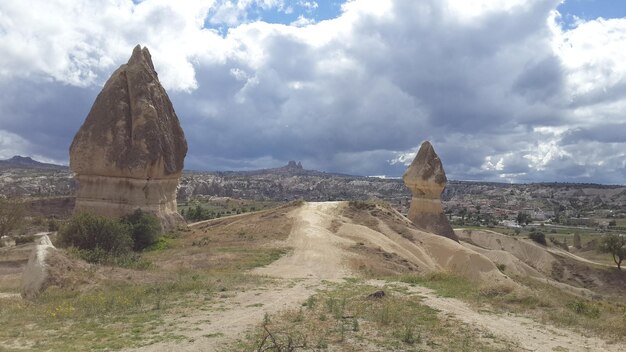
pixel 376 295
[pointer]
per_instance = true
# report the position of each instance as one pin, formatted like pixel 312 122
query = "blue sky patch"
pixel 316 10
pixel 590 10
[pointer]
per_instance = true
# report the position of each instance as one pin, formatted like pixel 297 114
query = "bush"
pixel 53 225
pixel 538 237
pixel 129 260
pixel 11 215
pixel 584 308
pixel 23 239
pixel 145 229
pixel 91 232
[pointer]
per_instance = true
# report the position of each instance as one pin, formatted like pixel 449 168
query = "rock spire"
pixel 129 152
pixel 426 179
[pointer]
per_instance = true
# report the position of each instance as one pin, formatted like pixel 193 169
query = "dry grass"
pixel 235 243
pixel 543 302
pixel 120 307
pixel 375 262
pixel 343 318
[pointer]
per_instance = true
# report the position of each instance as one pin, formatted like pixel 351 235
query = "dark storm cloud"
pixel 541 81
pixel 44 112
pixel 606 133
pixel 502 92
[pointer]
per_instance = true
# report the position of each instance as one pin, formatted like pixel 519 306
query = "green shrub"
pixel 584 308
pixel 23 239
pixel 91 232
pixel 538 237
pixel 145 228
pixel 53 225
pixel 129 260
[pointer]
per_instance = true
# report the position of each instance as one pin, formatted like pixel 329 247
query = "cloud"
pixel 500 88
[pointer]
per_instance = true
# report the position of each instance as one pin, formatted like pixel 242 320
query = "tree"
pixel 11 215
pixel 616 246
pixel 577 242
pixel 538 237
pixel 144 227
pixel 463 212
pixel 522 218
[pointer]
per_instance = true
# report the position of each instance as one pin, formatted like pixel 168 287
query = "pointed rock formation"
pixel 426 179
pixel 130 150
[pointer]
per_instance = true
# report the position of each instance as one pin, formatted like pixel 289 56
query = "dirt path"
pixel 527 334
pixel 222 321
pixel 315 257
pixel 10 295
pixel 316 251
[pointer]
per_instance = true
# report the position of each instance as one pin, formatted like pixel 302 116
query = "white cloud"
pixel 498 86
pixel 542 154
pixel 309 6
pixel 594 57
pixel 490 166
pixel 302 21
pixel 11 144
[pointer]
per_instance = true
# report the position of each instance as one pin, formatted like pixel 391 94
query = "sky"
pixel 506 90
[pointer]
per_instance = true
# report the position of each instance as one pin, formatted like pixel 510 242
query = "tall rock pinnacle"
pixel 426 179
pixel 129 152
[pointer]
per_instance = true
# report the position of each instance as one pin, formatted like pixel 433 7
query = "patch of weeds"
pixel 310 302
pixel 409 336
pixel 161 244
pixel 445 284
pixel 213 335
pixel 204 241
pixel 584 308
pixel 344 318
pixel 129 260
pixel 496 290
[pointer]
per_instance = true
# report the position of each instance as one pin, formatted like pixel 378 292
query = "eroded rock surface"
pixel 50 267
pixel 426 179
pixel 129 152
pixel 35 274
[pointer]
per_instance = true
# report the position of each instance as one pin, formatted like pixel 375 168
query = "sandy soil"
pixel 317 251
pixel 231 316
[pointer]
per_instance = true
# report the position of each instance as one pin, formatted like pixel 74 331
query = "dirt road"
pixel 316 251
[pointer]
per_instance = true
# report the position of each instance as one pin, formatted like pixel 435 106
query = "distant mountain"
pixel 292 168
pixel 24 162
